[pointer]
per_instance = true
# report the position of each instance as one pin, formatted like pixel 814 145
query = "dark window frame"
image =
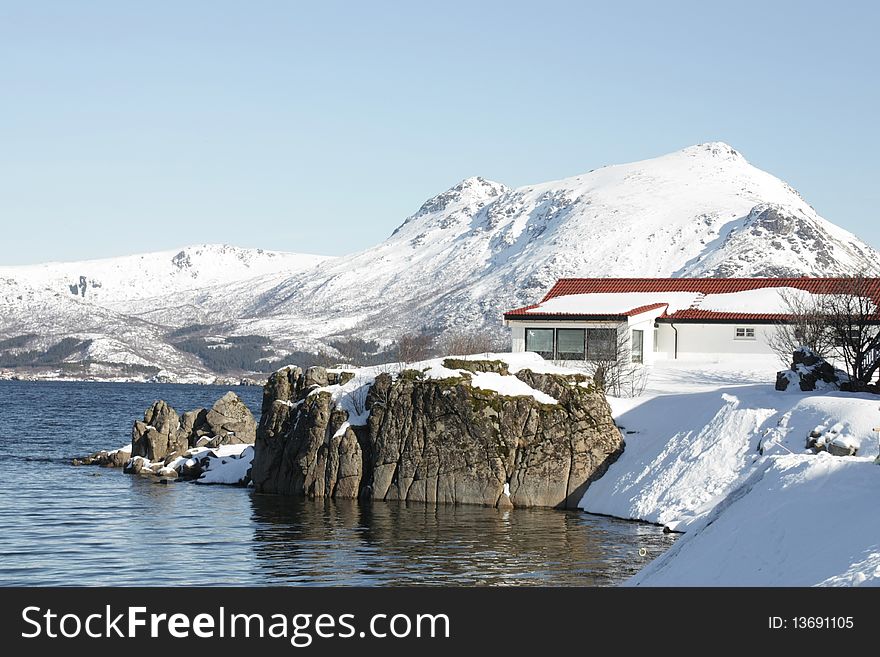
pixel 552 351
pixel 638 355
pixel 583 352
pixel 612 336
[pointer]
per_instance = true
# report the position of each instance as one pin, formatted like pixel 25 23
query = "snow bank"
pixel 706 441
pixel 797 521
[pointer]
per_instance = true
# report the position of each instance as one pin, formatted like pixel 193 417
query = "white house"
pixel 661 318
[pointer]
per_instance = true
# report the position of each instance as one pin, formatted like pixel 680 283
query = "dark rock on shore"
pixel 172 446
pixel 163 434
pixel 435 440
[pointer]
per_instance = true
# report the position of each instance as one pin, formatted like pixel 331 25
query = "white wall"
pixel 694 340
pixel 699 340
pixel 645 322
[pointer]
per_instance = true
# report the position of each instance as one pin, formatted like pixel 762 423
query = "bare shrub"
pixel 808 327
pixel 843 325
pixel 412 347
pixel 466 343
pixel 615 373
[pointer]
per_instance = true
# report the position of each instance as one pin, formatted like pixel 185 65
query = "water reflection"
pixel 398 543
pixel 61 525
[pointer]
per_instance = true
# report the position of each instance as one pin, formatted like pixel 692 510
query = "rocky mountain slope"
pixel 463 258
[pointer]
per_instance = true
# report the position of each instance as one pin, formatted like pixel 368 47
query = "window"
pixel 601 344
pixel 851 336
pixel 540 341
pixel 638 345
pixel 570 344
pixel 744 333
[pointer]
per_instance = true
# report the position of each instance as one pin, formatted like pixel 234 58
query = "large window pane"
pixel 638 345
pixel 601 344
pixel 570 344
pixel 540 341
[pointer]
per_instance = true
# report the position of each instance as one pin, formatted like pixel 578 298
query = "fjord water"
pixel 66 525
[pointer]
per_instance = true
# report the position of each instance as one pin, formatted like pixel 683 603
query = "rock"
pixel 805 356
pixel 476 366
pixel 339 378
pixel 190 469
pixel 316 377
pixel 163 435
pixel 858 386
pixel 167 473
pixel 191 421
pixel 136 465
pixel 231 421
pixel 159 434
pixel 841 448
pixel 434 441
pixel 162 417
pixel 116 458
pixel 809 369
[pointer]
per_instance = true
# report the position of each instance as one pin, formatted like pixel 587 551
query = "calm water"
pixel 65 525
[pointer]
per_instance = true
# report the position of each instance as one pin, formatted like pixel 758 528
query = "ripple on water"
pixel 65 525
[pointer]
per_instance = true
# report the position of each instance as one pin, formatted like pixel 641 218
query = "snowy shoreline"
pixel 715 453
pixel 174 380
pixel 720 455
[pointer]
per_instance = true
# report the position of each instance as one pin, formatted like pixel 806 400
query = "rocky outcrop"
pixel 116 458
pixel 171 446
pixel 435 440
pixel 809 371
pixel 164 434
pixel 834 440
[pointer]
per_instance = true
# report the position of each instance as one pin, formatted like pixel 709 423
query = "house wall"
pixel 701 340
pixel 643 322
pixel 695 340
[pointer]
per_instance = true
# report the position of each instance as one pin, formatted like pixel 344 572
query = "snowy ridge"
pixel 462 259
pixel 123 279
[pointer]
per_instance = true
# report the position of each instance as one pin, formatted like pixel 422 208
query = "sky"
pixel 319 127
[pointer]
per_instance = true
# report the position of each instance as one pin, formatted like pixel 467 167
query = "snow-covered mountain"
pixel 112 281
pixel 463 258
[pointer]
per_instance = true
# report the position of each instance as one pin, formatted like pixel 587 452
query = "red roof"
pixel 705 286
pixel 566 286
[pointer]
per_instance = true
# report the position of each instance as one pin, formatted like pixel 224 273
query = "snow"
pixel 714 451
pixel 796 521
pixel 352 396
pixel 509 386
pixel 467 255
pixel 766 300
pixel 231 470
pixel 603 303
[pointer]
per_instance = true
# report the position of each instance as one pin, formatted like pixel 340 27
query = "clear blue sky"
pixel 318 127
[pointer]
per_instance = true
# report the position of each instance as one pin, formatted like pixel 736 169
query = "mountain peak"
pixel 717 149
pixel 461 201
